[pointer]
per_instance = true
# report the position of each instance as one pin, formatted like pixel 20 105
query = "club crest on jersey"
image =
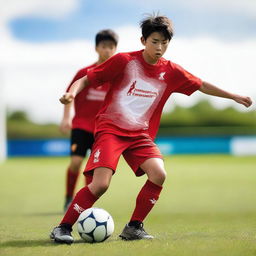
pixel 161 76
pixel 96 156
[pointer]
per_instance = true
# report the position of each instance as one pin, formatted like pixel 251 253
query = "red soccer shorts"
pixel 108 148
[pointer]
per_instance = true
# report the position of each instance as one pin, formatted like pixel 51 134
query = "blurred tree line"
pixel 202 119
pixel 19 126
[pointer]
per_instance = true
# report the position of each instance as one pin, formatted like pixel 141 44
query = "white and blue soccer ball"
pixel 95 225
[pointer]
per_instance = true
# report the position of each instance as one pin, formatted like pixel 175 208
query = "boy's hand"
pixel 66 98
pixel 246 101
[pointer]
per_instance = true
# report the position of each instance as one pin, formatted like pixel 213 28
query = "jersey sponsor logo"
pixel 96 156
pixel 161 76
pixel 78 208
pixel 94 94
pixel 153 201
pixel 133 91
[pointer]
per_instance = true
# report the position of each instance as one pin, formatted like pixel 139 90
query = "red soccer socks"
pixel 146 199
pixel 83 200
pixel 71 182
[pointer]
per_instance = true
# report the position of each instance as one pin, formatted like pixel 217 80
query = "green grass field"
pixel 208 207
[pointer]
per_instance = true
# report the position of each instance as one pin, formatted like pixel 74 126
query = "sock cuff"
pixel 154 188
pixel 90 194
pixel 70 172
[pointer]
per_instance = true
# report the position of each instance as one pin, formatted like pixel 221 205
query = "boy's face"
pixel 155 45
pixel 106 49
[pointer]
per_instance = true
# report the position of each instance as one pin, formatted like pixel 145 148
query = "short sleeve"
pixel 108 70
pixel 81 73
pixel 187 83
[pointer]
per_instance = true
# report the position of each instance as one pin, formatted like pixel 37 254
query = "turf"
pixel 208 207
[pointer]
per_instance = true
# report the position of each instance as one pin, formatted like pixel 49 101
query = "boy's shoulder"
pixel 171 65
pixel 85 69
pixel 123 58
pixel 165 62
pixel 128 55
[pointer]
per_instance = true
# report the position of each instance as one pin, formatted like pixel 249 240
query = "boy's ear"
pixel 143 41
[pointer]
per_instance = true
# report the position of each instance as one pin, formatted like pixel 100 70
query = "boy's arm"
pixel 210 89
pixel 66 121
pixel 75 88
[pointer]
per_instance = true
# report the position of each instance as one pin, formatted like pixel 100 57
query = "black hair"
pixel 154 23
pixel 106 34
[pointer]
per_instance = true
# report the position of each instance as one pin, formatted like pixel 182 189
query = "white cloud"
pixel 227 65
pixel 238 6
pixel 129 38
pixel 241 6
pixel 35 75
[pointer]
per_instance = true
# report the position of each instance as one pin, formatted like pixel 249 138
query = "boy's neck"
pixel 100 61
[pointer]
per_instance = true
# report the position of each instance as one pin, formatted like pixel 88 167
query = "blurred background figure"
pixel 86 106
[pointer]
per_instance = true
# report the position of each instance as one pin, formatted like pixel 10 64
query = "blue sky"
pixel 220 20
pixel 44 42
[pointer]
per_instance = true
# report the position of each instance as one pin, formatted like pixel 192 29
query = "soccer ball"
pixel 95 225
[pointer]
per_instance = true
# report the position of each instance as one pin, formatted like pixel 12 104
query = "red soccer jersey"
pixel 138 92
pixel 87 103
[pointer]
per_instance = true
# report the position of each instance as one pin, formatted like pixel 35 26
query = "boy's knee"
pixel 75 166
pixel 162 177
pixel 103 187
pixel 158 177
pixel 99 189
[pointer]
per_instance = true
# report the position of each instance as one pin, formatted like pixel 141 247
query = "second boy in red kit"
pixel 86 106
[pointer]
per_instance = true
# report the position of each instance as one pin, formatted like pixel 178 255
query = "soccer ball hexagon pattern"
pixel 95 225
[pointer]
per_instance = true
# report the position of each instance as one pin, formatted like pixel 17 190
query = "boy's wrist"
pixel 234 96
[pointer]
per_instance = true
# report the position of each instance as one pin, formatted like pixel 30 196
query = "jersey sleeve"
pixel 187 83
pixel 107 71
pixel 81 73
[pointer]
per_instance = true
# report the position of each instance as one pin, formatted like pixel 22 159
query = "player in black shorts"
pixel 81 141
pixel 86 106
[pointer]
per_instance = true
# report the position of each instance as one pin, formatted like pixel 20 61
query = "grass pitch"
pixel 207 207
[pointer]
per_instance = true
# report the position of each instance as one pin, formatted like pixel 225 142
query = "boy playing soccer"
pixel 86 105
pixel 140 84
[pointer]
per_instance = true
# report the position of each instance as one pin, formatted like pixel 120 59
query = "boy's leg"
pixel 106 152
pixel 83 200
pixel 80 141
pixel 146 199
pixel 71 178
pixel 149 194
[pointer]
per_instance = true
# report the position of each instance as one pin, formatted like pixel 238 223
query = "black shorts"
pixel 80 141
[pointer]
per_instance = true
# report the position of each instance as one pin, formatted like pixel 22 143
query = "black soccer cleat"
pixel 67 203
pixel 134 233
pixel 62 235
